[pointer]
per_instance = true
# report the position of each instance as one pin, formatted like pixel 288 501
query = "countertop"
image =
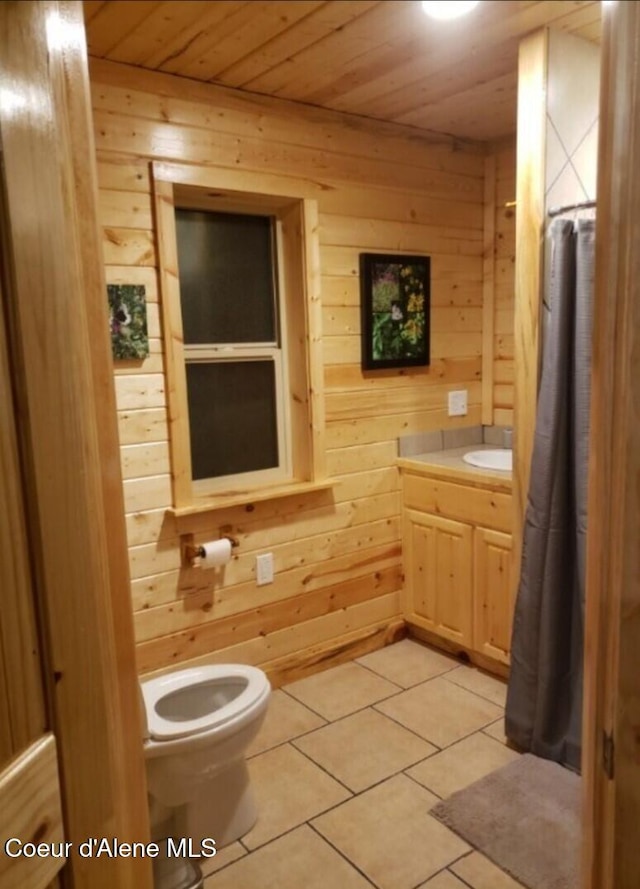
pixel 449 465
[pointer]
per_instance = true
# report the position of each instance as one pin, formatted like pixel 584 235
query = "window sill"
pixel 212 502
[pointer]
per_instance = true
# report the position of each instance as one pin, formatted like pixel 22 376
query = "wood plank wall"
pixel 504 276
pixel 337 554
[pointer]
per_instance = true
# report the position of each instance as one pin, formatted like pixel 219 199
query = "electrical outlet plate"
pixel 264 569
pixel 458 403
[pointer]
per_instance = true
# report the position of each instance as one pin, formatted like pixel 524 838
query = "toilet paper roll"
pixel 215 553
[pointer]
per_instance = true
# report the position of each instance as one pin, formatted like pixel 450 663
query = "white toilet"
pixel 199 723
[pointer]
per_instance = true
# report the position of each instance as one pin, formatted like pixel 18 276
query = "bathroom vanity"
pixel 458 587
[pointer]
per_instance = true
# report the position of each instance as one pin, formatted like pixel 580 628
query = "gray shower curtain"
pixel 544 700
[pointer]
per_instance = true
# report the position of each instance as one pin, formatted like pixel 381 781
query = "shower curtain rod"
pixel 585 205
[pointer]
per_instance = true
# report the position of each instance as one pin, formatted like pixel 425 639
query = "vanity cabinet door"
pixel 493 597
pixel 439 574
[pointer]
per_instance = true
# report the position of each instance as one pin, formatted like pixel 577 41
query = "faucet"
pixel 507 439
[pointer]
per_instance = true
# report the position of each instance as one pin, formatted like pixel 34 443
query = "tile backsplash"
pixel 444 439
pixel 420 443
pixel 461 438
pixel 495 435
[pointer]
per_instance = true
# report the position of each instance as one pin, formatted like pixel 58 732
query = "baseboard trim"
pixel 348 647
pixel 418 631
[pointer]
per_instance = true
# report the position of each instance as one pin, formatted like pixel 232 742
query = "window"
pixel 242 347
pixel 236 376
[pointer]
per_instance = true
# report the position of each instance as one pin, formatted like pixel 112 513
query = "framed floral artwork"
pixel 394 305
pixel 128 321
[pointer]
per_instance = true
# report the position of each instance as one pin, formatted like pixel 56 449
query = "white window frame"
pixel 299 365
pixel 273 351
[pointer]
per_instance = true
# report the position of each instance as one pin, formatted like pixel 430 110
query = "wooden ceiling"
pixel 382 59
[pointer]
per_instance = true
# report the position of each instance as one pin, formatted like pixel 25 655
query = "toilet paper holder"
pixel 192 552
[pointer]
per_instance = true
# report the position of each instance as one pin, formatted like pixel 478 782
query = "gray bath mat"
pixel 525 817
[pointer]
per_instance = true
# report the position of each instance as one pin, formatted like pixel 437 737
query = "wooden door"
pixel 66 632
pixel 493 600
pixel 29 780
pixel 439 575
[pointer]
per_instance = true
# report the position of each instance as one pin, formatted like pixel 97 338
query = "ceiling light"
pixel 448 9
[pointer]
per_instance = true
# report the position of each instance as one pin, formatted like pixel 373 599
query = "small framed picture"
pixel 394 305
pixel 128 321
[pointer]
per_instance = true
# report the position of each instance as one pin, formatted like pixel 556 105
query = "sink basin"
pixel 500 458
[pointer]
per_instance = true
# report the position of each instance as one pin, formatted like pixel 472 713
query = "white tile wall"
pixel 573 84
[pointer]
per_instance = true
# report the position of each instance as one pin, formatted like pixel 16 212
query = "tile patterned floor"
pixel 348 764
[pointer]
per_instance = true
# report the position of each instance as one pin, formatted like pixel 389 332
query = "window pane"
pixel 232 417
pixel 226 277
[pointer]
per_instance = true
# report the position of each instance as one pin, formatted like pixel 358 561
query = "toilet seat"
pixel 254 686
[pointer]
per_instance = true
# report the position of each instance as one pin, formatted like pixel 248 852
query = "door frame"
pixel 611 717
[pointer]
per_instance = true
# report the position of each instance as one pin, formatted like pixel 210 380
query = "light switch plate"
pixel 458 403
pixel 264 569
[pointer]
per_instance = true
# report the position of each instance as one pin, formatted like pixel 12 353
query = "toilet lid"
pixel 162 728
